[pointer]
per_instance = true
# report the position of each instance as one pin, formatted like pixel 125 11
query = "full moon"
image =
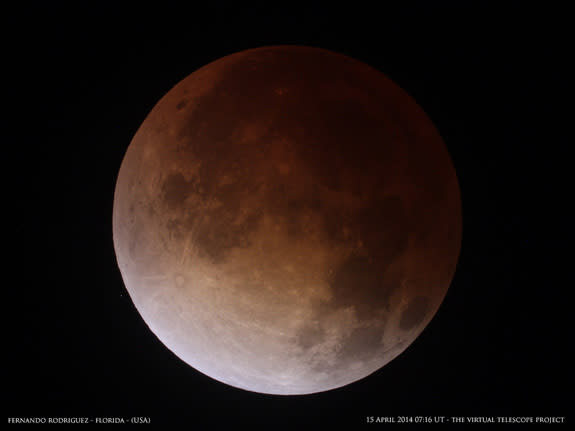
pixel 287 220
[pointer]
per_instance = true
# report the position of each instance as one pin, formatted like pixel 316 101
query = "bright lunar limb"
pixel 287 220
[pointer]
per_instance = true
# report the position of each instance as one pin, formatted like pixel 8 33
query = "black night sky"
pixel 80 82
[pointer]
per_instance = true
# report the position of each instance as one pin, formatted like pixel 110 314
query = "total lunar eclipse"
pixel 287 220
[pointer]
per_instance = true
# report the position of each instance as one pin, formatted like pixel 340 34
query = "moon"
pixel 287 220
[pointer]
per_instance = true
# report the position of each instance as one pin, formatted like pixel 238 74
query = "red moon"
pixel 287 220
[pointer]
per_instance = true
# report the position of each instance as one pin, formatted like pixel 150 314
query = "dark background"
pixel 78 84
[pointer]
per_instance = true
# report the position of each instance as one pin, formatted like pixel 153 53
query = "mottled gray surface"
pixel 287 220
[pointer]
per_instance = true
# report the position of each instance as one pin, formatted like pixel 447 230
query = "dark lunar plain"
pixel 79 82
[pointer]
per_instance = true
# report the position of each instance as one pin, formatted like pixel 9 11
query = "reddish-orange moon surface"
pixel 287 220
